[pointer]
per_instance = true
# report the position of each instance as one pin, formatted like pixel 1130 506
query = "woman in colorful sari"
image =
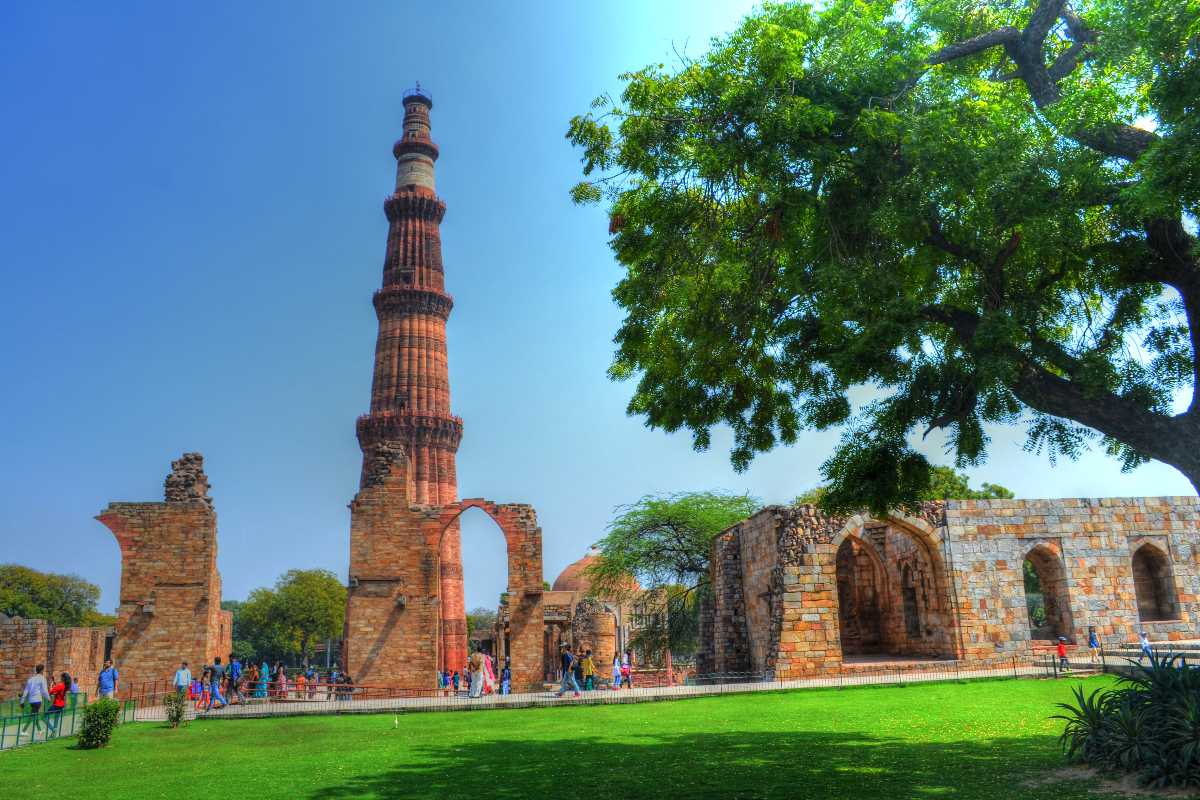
pixel 489 674
pixel 264 678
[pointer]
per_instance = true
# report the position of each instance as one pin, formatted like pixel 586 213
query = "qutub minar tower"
pixel 410 391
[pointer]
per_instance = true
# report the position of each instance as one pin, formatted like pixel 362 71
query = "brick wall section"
pixel 393 613
pixel 25 643
pixel 170 601
pixel 964 563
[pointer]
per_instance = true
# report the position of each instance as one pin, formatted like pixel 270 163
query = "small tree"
pixel 664 542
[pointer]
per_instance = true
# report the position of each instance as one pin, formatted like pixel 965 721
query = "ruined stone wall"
pixel 25 643
pixel 1095 538
pixel 758 540
pixel 730 650
pixel 170 601
pixel 391 635
pixel 963 562
pixel 393 610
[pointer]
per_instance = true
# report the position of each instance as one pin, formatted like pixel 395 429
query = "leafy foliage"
pixel 664 542
pixel 99 720
pixel 481 619
pixel 1150 726
pixel 945 483
pixel 949 203
pixel 66 600
pixel 304 607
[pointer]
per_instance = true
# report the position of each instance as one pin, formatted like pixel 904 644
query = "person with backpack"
pixel 235 680
pixel 568 672
pixel 107 680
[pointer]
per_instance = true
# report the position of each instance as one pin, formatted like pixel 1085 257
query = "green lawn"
pixel 976 740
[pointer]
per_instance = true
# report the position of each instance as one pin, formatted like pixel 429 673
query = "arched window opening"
pixel 859 581
pixel 1047 600
pixel 485 579
pixel 1154 585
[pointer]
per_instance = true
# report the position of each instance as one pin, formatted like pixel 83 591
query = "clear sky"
pixel 191 229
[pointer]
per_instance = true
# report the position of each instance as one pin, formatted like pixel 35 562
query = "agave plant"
pixel 1148 725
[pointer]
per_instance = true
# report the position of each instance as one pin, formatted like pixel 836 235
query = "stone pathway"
pixel 272 708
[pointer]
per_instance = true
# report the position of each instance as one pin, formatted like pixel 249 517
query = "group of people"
pixel 218 685
pixel 481 676
pixel 581 674
pixel 52 695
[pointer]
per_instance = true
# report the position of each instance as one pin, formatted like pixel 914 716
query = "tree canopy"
pixel 664 541
pixel 66 600
pixel 945 483
pixel 305 606
pixel 981 212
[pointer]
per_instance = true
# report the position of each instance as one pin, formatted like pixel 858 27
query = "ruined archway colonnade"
pixel 797 592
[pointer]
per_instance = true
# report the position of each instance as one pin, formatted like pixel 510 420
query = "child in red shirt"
pixel 1062 653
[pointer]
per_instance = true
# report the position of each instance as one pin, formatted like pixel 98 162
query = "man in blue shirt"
pixel 183 679
pixel 235 678
pixel 568 673
pixel 106 683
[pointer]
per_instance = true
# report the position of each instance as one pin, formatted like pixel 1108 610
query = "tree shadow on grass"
pixel 720 765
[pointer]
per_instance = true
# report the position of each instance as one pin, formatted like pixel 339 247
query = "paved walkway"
pixel 271 708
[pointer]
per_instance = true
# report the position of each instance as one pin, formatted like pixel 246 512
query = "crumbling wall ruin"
pixel 170 600
pixel 947 582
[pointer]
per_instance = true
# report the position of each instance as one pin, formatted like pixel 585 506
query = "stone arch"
pixel 1047 593
pixel 861 582
pixel 1154 584
pixel 915 609
pixel 523 542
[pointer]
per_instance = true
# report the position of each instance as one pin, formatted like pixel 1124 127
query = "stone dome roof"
pixel 575 579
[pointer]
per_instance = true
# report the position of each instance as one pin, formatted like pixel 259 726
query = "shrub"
pixel 1148 726
pixel 176 705
pixel 99 719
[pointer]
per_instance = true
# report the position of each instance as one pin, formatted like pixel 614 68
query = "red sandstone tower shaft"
pixel 410 392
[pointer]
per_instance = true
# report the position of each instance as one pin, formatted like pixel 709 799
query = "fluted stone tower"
pixel 410 392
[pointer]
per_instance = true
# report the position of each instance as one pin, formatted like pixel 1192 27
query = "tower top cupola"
pixel 415 151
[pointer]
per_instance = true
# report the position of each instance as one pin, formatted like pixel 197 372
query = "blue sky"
pixel 191 229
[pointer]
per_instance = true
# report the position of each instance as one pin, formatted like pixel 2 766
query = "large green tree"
pixel 982 212
pixel 304 607
pixel 664 542
pixel 66 600
pixel 945 483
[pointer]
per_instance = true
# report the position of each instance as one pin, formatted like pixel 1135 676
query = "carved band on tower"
pixel 410 392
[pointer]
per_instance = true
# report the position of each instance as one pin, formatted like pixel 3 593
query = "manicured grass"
pixel 975 740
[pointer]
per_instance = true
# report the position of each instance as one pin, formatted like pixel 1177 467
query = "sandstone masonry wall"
pixel 25 643
pixel 950 579
pixel 170 602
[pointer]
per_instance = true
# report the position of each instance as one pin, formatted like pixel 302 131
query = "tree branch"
pixel 975 44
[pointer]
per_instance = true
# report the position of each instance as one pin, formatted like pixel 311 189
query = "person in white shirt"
pixel 183 679
pixel 36 692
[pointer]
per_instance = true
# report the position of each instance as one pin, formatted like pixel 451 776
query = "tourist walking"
pixel 616 672
pixel 216 674
pixel 627 669
pixel 1147 652
pixel 457 681
pixel 1093 644
pixel 1062 654
pixel 489 675
pixel 58 701
pixel 235 680
pixel 568 672
pixel 107 680
pixel 264 680
pixel 183 679
pixel 281 681
pixel 35 693
pixel 506 678
pixel 588 667
pixel 204 698
pixel 475 671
